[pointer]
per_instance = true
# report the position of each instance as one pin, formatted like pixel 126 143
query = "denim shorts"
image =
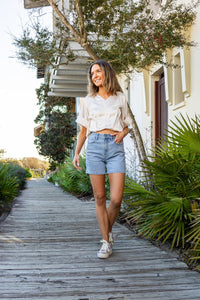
pixel 104 155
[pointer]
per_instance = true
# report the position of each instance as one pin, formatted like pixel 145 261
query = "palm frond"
pixel 161 207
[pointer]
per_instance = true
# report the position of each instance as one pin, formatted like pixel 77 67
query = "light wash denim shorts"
pixel 104 155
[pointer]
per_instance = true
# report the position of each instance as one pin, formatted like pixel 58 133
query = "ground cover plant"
pixel 166 207
pixel 12 180
pixel 21 174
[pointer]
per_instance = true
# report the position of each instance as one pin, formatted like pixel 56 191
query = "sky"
pixel 18 101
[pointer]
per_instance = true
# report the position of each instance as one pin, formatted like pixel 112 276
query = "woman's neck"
pixel 103 93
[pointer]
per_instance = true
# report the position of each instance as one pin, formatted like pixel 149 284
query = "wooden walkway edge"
pixel 48 248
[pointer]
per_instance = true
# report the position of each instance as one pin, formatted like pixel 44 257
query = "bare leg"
pixel 116 192
pixel 98 185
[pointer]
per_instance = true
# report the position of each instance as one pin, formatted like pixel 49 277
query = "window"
pixel 178 91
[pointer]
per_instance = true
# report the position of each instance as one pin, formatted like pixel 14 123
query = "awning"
pixel 71 79
pixel 35 3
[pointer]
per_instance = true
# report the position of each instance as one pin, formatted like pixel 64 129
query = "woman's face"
pixel 97 75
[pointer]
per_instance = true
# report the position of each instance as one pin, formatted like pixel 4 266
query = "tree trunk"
pixel 136 136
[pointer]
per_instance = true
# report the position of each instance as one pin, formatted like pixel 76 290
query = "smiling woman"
pixel 104 117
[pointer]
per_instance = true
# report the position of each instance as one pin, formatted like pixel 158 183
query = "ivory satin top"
pixel 97 114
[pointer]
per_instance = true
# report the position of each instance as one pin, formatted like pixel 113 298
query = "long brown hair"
pixel 110 83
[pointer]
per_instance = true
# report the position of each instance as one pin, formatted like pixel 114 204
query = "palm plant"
pixel 162 206
pixel 72 180
pixel 185 134
pixel 193 236
pixel 8 187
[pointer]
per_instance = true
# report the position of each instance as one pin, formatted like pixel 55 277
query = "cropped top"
pixel 97 113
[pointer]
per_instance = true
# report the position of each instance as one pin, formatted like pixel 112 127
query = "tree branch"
pixel 78 38
pixel 81 21
pixel 64 19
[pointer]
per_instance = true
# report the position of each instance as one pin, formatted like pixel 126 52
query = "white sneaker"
pixel 111 239
pixel 105 250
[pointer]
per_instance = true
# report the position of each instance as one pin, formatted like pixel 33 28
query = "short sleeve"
pixel 83 114
pixel 126 117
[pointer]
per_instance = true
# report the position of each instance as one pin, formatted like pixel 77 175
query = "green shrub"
pixel 8 187
pixel 20 173
pixel 73 180
pixel 193 237
pixel 28 173
pixel 162 207
pixel 12 179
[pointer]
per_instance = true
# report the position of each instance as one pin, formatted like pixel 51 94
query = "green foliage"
pixel 20 174
pixel 56 140
pixel 158 214
pixel 37 46
pixel 184 136
pixel 12 179
pixel 193 237
pixel 28 173
pixel 129 34
pixel 162 208
pixel 8 187
pixel 73 180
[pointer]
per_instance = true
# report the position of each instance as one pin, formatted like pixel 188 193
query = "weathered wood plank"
pixel 48 250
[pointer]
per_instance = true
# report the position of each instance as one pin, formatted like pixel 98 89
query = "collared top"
pixel 97 113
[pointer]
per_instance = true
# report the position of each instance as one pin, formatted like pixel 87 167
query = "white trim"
pixel 146 89
pixel 168 76
pixel 179 105
pixel 185 70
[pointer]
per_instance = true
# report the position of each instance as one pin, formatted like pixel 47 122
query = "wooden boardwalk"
pixel 48 250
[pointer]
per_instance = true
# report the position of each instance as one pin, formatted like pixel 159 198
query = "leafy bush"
pixel 193 253
pixel 28 173
pixel 12 179
pixel 21 175
pixel 73 180
pixel 163 207
pixel 8 187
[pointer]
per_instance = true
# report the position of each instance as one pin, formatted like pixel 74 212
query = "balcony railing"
pixel 35 3
pixel 70 79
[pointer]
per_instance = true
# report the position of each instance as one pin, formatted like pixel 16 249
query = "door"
pixel 161 109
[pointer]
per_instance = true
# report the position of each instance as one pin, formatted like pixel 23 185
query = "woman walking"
pixel 104 119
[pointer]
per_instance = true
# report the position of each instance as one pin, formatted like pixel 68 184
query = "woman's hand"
pixel 76 162
pixel 119 136
pixel 80 142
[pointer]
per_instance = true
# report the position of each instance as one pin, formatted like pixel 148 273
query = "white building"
pixel 160 94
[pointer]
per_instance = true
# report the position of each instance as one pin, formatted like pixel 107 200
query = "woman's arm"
pixel 80 142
